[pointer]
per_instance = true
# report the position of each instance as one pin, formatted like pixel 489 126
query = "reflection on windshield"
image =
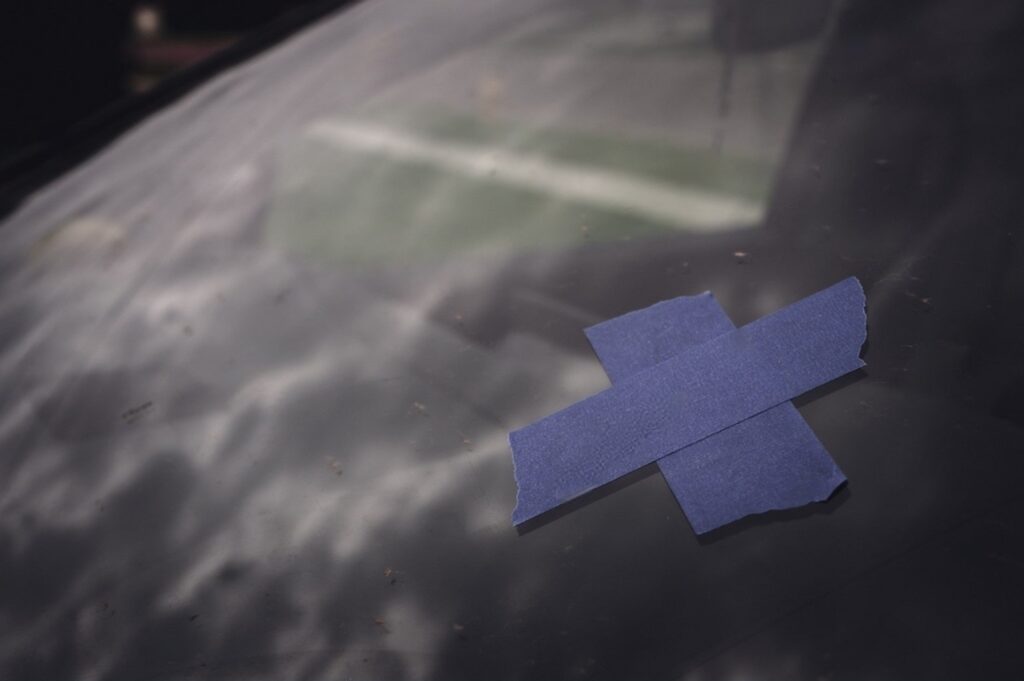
pixel 267 347
pixel 564 130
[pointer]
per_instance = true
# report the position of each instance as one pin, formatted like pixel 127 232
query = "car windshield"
pixel 262 353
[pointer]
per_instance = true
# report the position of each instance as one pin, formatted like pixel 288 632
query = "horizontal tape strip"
pixel 688 397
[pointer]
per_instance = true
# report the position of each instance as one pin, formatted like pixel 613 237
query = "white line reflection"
pixel 685 207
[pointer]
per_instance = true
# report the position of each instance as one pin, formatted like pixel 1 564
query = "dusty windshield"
pixel 261 355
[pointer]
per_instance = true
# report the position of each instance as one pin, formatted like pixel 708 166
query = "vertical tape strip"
pixel 770 461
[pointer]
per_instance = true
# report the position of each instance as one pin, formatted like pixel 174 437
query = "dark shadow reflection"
pixel 586 499
pixel 827 507
pixel 830 387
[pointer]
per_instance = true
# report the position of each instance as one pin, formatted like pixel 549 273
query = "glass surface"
pixel 260 356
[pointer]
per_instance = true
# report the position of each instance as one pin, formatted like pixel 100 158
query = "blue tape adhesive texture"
pixel 688 397
pixel 768 462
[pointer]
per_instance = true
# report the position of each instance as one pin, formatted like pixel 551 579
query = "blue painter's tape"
pixel 770 461
pixel 697 393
